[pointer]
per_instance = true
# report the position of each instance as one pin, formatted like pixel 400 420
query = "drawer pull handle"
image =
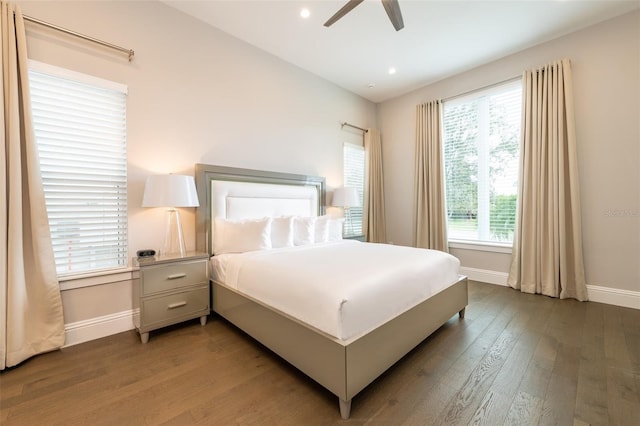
pixel 176 276
pixel 177 305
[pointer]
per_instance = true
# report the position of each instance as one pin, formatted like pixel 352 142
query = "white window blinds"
pixel 80 128
pixel 354 178
pixel 482 148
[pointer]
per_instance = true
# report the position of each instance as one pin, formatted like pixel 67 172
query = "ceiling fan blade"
pixel 393 11
pixel 343 11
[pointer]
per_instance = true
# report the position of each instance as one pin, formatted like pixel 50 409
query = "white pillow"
pixel 322 229
pixel 303 230
pixel 282 232
pixel 335 229
pixel 241 236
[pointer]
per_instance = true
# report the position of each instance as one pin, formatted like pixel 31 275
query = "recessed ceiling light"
pixel 392 71
pixel 305 13
pixel 371 85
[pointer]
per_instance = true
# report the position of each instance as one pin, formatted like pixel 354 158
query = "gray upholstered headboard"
pixel 235 193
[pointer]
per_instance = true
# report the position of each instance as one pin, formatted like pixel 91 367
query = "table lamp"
pixel 346 197
pixel 171 191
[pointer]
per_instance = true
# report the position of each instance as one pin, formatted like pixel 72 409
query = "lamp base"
pixel 173 237
pixel 348 224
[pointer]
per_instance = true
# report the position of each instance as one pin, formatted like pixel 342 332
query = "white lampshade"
pixel 345 197
pixel 170 191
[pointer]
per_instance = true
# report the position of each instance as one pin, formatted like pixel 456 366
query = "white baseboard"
pixel 95 328
pixel 614 296
pixel 608 295
pixel 485 276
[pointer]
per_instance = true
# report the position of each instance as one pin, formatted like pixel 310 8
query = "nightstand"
pixel 169 290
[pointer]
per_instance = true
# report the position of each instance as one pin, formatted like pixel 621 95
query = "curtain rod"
pixel 351 125
pixel 130 52
pixel 488 86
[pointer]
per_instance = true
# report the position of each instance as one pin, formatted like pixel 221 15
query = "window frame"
pixel 122 234
pixel 359 189
pixel 477 244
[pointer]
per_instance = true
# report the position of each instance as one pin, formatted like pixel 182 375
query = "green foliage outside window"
pixel 503 217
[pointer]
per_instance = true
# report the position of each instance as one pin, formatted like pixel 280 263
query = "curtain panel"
pixel 373 219
pixel 430 219
pixel 547 250
pixel 30 302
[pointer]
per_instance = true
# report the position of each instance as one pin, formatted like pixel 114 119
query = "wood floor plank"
pixel 536 377
pixel 465 403
pixel 623 413
pixel 428 411
pixel 515 359
pixel 153 367
pixel 615 342
pixel 560 399
pixel 494 408
pixel 631 324
pixel 498 400
pixel 623 397
pixel 492 404
pixel 431 404
pixel 525 410
pixel 591 398
pixel 449 358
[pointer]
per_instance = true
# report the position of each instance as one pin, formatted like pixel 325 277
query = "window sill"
pixel 481 246
pixel 71 282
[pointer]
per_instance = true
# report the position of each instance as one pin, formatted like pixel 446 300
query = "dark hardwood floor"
pixel 515 359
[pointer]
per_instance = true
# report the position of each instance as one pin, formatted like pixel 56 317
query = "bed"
pixel 342 357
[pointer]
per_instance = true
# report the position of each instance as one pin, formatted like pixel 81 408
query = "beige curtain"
pixel 547 250
pixel 373 221
pixel 30 303
pixel 431 222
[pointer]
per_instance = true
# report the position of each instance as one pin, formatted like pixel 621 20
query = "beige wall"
pixel 195 95
pixel 606 69
pixel 199 95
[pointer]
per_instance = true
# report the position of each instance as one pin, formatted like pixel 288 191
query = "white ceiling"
pixel 440 38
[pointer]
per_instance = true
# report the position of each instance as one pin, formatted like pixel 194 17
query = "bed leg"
pixel 345 408
pixel 461 313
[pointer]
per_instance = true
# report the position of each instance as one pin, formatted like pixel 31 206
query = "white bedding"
pixel 345 288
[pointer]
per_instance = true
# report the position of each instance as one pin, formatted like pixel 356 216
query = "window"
pixel 80 128
pixel 354 178
pixel 481 156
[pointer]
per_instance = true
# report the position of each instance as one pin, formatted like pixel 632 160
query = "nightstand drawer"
pixel 169 308
pixel 173 276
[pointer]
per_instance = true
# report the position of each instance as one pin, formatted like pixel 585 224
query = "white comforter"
pixel 345 288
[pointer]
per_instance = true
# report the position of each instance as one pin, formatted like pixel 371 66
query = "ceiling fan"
pixel 390 6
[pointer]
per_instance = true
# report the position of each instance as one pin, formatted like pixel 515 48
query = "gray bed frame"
pixel 344 367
